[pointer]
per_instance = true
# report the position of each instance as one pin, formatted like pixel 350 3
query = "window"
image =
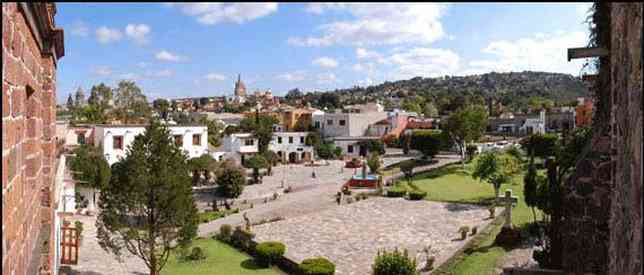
pixel 317 124
pixel 329 122
pixel 350 149
pixel 279 140
pixel 290 139
pixel 249 142
pixel 80 138
pixel 343 122
pixel 301 139
pixel 178 140
pixel 196 139
pixel 117 142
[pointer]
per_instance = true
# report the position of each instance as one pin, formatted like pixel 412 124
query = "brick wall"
pixel 28 129
pixel 602 201
pixel 625 247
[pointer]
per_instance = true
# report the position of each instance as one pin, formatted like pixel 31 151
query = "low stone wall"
pixel 531 271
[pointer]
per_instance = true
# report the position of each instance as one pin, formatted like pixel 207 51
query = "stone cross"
pixel 508 200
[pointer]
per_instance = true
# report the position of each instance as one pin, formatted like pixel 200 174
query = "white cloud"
pixel 131 76
pixel 365 82
pixel 377 24
pixel 214 13
pixel 102 71
pixel 137 32
pixel 107 35
pixel 357 67
pixel 79 29
pixel 164 55
pixel 543 52
pixel 141 64
pixel 425 62
pixel 293 76
pixel 215 77
pixel 326 78
pixel 160 73
pixel 325 62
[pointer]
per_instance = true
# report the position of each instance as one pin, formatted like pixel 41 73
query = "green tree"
pixel 261 126
pixel 466 125
pixel 427 142
pixel 202 165
pixel 430 110
pixel 329 100
pixel 328 150
pixel 162 106
pixel 540 145
pixel 373 146
pixel 70 103
pixel 313 139
pixel 131 103
pixel 412 106
pixel 530 188
pixel 256 162
pixel 488 168
pixel 271 160
pixel 148 207
pixel 407 168
pixel 90 168
pixel 215 131
pixel 231 180
pixel 374 162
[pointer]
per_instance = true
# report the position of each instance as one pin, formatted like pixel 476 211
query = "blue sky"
pixel 180 50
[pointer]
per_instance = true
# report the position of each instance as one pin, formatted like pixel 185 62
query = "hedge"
pixel 317 266
pixel 269 252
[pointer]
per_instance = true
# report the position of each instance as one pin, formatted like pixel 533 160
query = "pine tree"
pixel 148 208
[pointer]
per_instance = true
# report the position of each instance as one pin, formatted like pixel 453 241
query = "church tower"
pixel 240 88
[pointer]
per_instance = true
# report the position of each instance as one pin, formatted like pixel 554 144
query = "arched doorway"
pixel 303 156
pixel 292 157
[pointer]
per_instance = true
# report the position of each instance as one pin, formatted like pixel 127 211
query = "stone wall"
pixel 625 248
pixel 602 201
pixel 28 130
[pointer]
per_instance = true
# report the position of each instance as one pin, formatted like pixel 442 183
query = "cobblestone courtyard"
pixel 351 235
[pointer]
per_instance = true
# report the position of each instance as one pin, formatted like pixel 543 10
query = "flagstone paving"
pixel 350 235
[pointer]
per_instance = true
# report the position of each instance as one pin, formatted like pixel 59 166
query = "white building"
pixel 240 146
pixel 351 145
pixel 535 125
pixel 291 147
pixel 115 139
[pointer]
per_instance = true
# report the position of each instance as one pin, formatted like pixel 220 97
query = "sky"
pixel 199 49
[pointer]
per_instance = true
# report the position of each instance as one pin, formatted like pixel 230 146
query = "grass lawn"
pixel 221 260
pixel 453 184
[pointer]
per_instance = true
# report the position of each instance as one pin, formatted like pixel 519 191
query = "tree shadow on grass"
pixel 450 169
pixel 251 265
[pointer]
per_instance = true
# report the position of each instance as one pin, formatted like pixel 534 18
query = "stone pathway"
pixel 318 196
pixel 350 235
pixel 93 260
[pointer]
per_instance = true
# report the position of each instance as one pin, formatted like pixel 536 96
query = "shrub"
pixel 269 252
pixel 242 238
pixel 395 262
pixel 417 195
pixel 225 233
pixel 317 266
pixel 196 254
pixel 396 192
